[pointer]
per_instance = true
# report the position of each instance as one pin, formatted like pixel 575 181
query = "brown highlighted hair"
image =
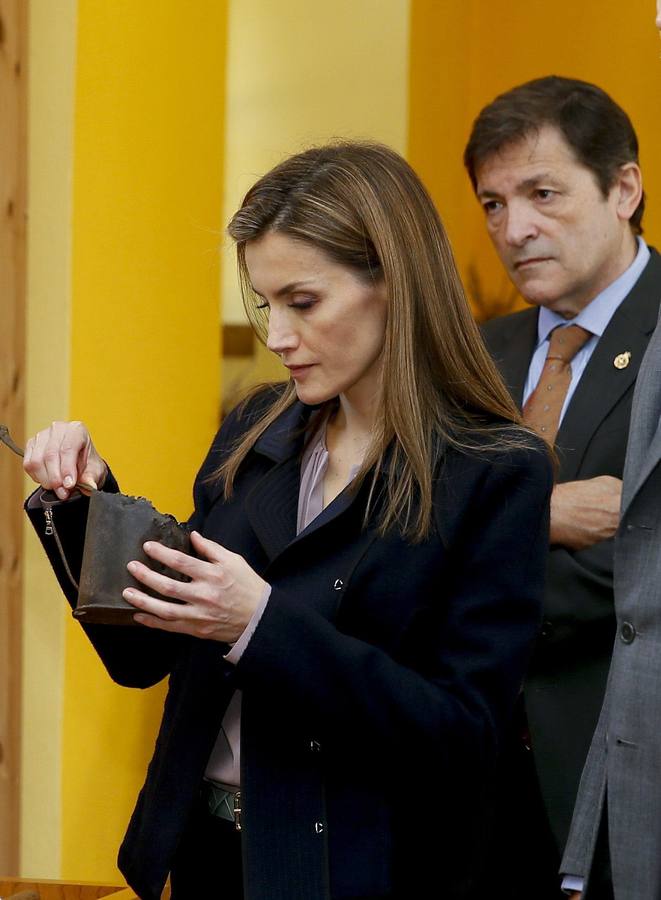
pixel 598 131
pixel 364 207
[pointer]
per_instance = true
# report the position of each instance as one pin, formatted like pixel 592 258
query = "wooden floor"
pixel 27 889
pixel 59 890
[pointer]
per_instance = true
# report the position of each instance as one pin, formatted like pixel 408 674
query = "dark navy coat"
pixel 375 687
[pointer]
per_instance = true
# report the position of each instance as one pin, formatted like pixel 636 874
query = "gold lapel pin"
pixel 622 360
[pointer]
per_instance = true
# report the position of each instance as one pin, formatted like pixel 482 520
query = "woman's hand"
pixel 218 601
pixel 60 456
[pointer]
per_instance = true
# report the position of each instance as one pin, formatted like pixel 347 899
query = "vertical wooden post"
pixel 13 164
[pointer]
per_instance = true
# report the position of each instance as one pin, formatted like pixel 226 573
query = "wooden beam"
pixel 13 166
pixel 238 340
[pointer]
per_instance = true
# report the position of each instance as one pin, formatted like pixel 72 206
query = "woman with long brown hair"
pixel 369 546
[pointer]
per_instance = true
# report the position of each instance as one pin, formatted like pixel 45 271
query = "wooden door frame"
pixel 13 210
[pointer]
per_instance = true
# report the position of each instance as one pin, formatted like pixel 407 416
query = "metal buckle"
pixel 237 810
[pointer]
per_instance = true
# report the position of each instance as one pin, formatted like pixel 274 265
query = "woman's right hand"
pixel 60 456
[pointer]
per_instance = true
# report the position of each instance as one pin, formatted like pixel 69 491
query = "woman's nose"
pixel 282 335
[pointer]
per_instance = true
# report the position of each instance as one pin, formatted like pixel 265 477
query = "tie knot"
pixel 566 341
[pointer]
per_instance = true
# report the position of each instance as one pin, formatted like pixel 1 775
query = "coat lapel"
pixel 272 505
pixel 603 384
pixel 644 449
pixel 337 507
pixel 650 462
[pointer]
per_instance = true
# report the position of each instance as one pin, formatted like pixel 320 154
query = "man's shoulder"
pixel 654 263
pixel 650 277
pixel 515 327
pixel 641 305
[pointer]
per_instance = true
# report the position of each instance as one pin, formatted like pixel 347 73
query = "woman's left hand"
pixel 218 601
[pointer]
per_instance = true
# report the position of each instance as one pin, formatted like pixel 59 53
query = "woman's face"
pixel 326 325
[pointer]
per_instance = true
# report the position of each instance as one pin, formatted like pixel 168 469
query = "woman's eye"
pixel 263 305
pixel 302 304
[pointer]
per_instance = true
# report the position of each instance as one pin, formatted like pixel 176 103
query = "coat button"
pixel 338 584
pixel 315 747
pixel 627 633
pixel 547 629
pixel 319 827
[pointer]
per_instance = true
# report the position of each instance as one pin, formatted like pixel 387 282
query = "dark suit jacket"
pixel 567 677
pixel 375 688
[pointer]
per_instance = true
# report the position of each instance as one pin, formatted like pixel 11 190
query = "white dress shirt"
pixel 595 318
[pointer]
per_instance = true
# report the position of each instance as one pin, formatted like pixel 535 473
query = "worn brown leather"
pixel 117 527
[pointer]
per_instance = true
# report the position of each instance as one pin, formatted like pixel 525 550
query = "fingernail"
pixel 68 481
pixel 128 593
pixel 62 493
pixel 131 566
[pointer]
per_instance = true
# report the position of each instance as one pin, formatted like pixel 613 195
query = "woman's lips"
pixel 298 371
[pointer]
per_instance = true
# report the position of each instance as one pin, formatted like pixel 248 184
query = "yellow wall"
pixel 132 190
pixel 145 324
pixel 464 52
pixel 300 74
pixel 51 83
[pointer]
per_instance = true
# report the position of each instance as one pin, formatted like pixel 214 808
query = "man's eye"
pixel 492 206
pixel 544 194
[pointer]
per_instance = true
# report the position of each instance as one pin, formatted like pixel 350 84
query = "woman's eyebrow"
pixel 287 288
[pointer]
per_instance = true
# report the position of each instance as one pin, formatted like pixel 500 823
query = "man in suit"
pixel 554 164
pixel 617 822
pixel 615 839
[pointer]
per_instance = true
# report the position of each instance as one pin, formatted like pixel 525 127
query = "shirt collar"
pixel 598 313
pixel 316 453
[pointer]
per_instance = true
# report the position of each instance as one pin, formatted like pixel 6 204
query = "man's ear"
pixel 629 189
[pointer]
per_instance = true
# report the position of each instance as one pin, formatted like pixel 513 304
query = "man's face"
pixel 560 239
